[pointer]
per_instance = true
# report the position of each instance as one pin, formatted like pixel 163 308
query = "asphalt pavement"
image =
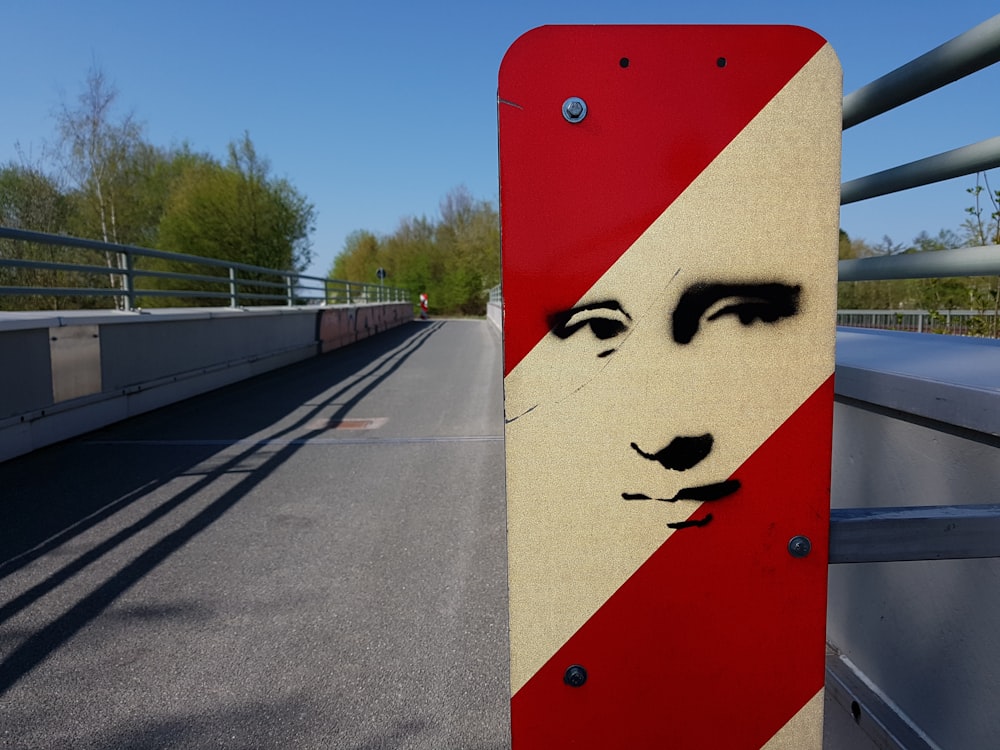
pixel 314 558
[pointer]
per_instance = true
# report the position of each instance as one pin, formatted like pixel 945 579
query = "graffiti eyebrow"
pixel 781 300
pixel 558 320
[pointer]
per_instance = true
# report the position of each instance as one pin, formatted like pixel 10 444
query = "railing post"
pixel 347 285
pixel 128 282
pixel 234 300
pixel 290 301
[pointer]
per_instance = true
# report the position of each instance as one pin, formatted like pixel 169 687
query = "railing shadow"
pixel 45 509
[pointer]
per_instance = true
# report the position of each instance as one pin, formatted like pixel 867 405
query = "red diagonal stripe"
pixel 718 639
pixel 575 197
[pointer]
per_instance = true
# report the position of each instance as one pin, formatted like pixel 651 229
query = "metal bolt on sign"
pixel 575 676
pixel 574 109
pixel 799 546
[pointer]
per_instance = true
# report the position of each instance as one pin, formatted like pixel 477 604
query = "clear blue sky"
pixel 376 109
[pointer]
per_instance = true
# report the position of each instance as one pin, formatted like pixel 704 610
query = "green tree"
pixel 279 219
pixel 358 261
pixel 414 260
pixel 95 149
pixel 856 295
pixel 455 259
pixel 235 212
pixel 939 294
pixel 469 235
pixel 982 227
pixel 32 200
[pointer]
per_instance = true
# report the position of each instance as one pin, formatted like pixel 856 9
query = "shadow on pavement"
pixel 52 496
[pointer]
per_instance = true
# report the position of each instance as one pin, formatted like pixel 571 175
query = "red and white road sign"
pixel 669 200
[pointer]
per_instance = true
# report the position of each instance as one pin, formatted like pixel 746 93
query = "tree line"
pixel 980 294
pixel 454 258
pixel 102 179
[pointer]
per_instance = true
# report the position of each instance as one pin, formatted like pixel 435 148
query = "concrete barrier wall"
pixel 917 422
pixel 340 326
pixel 494 313
pixel 65 374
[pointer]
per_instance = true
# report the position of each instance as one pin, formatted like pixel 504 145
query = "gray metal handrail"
pixel 958 162
pixel 926 533
pixel 940 264
pixel 279 287
pixel 967 53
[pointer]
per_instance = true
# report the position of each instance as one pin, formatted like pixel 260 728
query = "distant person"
pixel 423 306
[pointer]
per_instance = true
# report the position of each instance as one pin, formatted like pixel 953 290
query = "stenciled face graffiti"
pixel 651 390
pixel 697 311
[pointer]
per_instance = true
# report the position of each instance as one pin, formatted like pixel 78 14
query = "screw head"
pixel 574 109
pixel 575 676
pixel 799 546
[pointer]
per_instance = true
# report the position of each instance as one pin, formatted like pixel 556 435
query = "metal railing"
pixel 135 276
pixel 888 534
pixel 967 53
pixel 960 57
pixel 951 322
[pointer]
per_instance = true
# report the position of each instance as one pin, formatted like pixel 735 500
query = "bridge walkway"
pixel 313 558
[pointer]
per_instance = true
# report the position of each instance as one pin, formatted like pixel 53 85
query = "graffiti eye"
pixel 767 302
pixel 749 310
pixel 606 320
pixel 606 328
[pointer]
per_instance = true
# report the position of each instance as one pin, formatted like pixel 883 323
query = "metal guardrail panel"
pixel 944 532
pixel 75 352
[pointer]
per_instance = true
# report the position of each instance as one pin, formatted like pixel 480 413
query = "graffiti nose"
pixel 682 453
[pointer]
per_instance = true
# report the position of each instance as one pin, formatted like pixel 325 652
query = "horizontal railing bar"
pixel 140 274
pixel 967 53
pixel 305 287
pixel 910 311
pixel 942 532
pixel 36 291
pixel 262 296
pixel 245 282
pixel 190 294
pixel 937 264
pixel 108 247
pixel 47 265
pixel 977 157
pixel 41 291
